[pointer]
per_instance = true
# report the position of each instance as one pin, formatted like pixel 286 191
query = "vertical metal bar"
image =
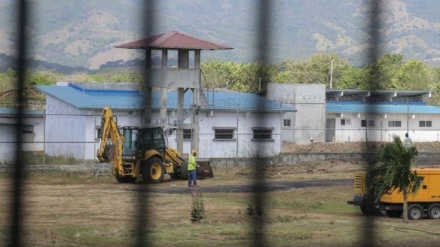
pixel 373 29
pixel 263 45
pixel 16 206
pixel 142 225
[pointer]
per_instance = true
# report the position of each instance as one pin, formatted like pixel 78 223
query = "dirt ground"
pixel 352 147
pixel 73 209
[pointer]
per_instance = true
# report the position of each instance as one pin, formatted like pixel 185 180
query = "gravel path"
pixel 250 188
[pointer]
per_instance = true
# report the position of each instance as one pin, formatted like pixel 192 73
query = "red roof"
pixel 173 40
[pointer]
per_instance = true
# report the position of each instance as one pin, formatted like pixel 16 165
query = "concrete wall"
pixel 73 132
pixel 294 158
pixel 309 101
pixel 174 78
pixel 243 144
pixel 7 145
pixel 65 130
pixel 32 136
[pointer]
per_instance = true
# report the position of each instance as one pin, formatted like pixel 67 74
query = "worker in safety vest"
pixel 192 166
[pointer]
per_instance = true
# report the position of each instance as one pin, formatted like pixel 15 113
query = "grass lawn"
pixel 77 209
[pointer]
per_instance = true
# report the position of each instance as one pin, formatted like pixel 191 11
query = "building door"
pixel 330 130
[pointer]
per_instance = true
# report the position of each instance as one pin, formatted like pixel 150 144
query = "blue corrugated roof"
pixel 247 101
pixel 82 98
pixel 382 107
pixel 93 99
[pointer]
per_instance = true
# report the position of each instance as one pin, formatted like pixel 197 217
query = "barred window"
pixel 425 123
pixel 187 134
pixel 224 133
pixel 262 134
pixel 345 121
pixel 394 123
pixel 370 123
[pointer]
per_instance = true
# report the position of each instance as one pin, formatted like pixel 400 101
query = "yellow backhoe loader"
pixel 141 152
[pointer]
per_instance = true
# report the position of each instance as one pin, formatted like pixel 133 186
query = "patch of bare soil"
pixel 352 147
pixel 330 166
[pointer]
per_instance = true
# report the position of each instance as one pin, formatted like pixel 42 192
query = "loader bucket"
pixel 204 170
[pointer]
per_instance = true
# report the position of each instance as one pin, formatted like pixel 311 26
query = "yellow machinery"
pixel 141 152
pixel 425 201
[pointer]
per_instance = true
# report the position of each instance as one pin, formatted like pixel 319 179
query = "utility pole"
pixel 331 74
pixel 407 116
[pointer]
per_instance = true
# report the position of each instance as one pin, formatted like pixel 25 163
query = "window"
pixel 224 133
pixel 130 141
pixel 345 121
pixel 394 123
pixel 98 132
pixel 286 122
pixel 151 138
pixel 27 133
pixel 425 123
pixel 370 123
pixel 262 134
pixel 187 134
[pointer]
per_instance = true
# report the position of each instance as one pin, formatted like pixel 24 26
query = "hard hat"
pixel 194 152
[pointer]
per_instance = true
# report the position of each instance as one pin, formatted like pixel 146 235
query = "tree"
pixel 354 78
pixel 414 75
pixel 217 73
pixel 393 171
pixel 384 72
pixel 252 77
pixel 317 69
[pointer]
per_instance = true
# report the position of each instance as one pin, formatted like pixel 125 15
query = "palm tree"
pixel 393 171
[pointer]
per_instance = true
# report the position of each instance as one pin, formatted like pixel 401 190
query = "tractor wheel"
pixel 184 170
pixel 415 212
pixel 173 176
pixel 153 171
pixel 434 211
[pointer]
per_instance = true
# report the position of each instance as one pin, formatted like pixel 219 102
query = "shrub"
pixel 198 207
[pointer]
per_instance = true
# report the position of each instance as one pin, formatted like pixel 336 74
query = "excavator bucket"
pixel 204 170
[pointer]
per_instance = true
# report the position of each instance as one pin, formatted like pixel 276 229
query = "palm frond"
pixel 393 169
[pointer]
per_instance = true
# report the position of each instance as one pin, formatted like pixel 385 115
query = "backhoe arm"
pixel 110 153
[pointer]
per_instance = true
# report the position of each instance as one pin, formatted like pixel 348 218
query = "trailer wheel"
pixel 434 211
pixel 367 209
pixel 382 212
pixel 415 212
pixel 153 171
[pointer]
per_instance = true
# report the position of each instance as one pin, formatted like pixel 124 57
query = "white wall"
pixel 309 101
pixel 65 130
pixel 7 145
pixel 381 132
pixel 124 118
pixel 243 145
pixel 32 139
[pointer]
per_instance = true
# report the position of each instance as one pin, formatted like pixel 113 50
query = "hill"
pixel 83 33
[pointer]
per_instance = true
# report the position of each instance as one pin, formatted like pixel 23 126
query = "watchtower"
pixel 182 78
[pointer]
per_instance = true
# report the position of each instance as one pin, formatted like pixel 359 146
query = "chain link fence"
pixel 258 225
